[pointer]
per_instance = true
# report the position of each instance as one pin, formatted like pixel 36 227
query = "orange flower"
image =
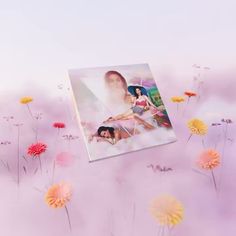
pixel 209 159
pixel 58 195
pixel 190 94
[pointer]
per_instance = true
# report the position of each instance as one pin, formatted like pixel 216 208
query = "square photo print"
pixel 119 109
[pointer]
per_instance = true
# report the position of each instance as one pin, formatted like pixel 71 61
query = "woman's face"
pixel 115 82
pixel 138 91
pixel 105 134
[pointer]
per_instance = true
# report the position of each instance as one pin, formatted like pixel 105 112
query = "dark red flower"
pixel 37 149
pixel 190 94
pixel 59 125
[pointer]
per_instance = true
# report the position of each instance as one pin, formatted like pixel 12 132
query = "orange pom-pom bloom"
pixel 58 195
pixel 209 159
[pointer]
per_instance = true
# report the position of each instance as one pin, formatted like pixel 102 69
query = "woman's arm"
pixel 90 138
pixel 109 140
pixel 149 101
pixel 134 101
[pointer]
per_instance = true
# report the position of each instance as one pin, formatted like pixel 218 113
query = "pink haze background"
pixel 41 40
pixel 112 196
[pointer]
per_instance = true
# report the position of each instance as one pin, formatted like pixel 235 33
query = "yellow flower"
pixel 209 159
pixel 167 210
pixel 58 195
pixel 177 99
pixel 25 100
pixel 197 126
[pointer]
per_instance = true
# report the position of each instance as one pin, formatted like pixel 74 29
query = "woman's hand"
pixel 100 139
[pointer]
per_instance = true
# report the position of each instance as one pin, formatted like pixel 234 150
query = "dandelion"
pixel 35 150
pixel 167 211
pixel 225 132
pixel 26 101
pixel 209 160
pixel 225 127
pixel 58 195
pixel 70 137
pixel 8 119
pixel 197 127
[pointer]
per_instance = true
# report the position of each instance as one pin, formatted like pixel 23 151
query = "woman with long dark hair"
pixel 113 135
pixel 141 103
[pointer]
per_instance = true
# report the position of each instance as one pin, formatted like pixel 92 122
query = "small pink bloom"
pixel 64 159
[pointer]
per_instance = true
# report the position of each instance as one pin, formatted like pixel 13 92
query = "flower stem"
pixel 40 164
pixel 133 217
pixel 203 143
pixel 189 137
pixel 53 170
pixel 30 112
pixel 68 217
pixel 214 180
pixel 18 156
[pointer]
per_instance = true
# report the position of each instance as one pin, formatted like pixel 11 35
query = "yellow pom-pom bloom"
pixel 167 210
pixel 58 195
pixel 177 99
pixel 25 100
pixel 197 126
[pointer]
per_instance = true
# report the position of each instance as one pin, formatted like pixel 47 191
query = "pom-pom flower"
pixel 177 99
pixel 190 94
pixel 64 159
pixel 36 149
pixel 59 125
pixel 58 195
pixel 26 100
pixel 167 210
pixel 209 159
pixel 197 127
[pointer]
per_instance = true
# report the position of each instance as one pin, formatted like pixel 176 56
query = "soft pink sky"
pixel 41 40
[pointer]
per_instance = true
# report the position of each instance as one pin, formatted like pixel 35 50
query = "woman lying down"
pixel 115 134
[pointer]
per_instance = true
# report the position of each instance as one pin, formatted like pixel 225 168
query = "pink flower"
pixel 37 149
pixel 64 159
pixel 59 125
